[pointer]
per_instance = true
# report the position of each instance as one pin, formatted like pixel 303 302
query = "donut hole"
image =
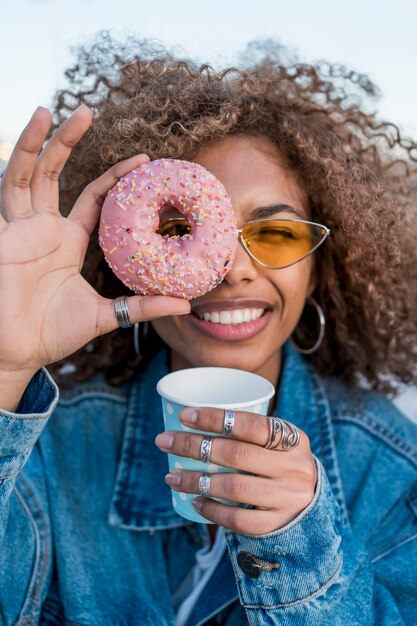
pixel 172 223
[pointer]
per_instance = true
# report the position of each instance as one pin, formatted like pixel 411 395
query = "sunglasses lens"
pixel 278 243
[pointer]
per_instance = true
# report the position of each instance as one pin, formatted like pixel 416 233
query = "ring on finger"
pixel 205 449
pixel 282 433
pixel 276 426
pixel 229 422
pixel 204 484
pixel 293 438
pixel 122 312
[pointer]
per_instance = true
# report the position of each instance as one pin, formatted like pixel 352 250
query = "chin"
pixel 223 356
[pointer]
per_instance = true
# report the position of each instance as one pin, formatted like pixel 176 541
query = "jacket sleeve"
pixel 19 432
pixel 320 573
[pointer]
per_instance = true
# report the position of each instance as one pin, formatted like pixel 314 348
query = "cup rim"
pixel 218 405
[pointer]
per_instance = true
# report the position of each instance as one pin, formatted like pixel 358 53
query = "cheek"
pixel 294 283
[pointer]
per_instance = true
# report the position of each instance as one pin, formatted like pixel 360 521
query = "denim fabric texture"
pixel 88 535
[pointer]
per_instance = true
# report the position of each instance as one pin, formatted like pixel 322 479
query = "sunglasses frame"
pixel 282 219
pixel 272 219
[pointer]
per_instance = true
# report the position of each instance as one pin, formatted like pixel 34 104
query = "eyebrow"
pixel 268 211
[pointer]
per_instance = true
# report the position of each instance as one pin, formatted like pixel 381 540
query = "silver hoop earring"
pixel 140 332
pixel 322 320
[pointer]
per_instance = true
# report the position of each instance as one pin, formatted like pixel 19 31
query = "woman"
pixel 89 535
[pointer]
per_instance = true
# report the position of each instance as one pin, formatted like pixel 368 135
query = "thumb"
pixel 141 309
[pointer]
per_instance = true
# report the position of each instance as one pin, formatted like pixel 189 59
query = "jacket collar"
pixel 303 400
pixel 142 500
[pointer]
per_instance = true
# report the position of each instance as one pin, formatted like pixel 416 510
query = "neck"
pixel 271 369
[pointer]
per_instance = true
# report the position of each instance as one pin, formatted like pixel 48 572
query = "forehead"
pixel 253 174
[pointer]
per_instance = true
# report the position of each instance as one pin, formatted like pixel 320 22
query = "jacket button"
pixel 249 564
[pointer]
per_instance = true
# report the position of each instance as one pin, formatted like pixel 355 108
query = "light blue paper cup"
pixel 218 387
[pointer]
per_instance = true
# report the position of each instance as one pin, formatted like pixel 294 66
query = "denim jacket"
pixel 88 535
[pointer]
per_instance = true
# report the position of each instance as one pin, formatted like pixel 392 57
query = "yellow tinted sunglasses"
pixel 275 243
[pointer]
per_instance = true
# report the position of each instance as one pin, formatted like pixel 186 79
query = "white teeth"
pixel 237 316
pixel 247 315
pixel 225 317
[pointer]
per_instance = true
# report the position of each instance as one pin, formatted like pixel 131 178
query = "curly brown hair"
pixel 357 172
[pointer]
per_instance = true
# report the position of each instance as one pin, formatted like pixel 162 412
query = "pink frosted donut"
pixel 148 263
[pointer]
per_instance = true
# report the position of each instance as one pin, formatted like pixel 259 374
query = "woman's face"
pixel 251 172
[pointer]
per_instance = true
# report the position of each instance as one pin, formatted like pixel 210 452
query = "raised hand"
pixel 47 309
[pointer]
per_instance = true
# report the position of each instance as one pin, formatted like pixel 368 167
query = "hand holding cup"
pixel 276 483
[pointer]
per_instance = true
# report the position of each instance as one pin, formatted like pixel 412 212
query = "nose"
pixel 243 268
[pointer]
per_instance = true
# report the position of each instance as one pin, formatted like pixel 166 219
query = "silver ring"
pixel 204 484
pixel 205 449
pixel 122 312
pixel 229 422
pixel 293 438
pixel 282 433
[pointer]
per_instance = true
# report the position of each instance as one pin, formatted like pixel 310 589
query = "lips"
pixel 231 320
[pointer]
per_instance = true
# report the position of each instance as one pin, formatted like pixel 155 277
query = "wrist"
pixel 12 387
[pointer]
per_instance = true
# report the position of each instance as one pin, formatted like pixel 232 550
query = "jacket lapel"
pixel 141 499
pixel 303 401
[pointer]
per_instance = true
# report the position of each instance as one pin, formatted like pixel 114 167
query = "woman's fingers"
pixel 51 162
pixel 86 210
pixel 246 521
pixel 243 488
pixel 237 455
pixel 16 197
pixel 249 427
pixel 141 308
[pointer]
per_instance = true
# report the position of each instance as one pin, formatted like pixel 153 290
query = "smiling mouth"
pixel 231 316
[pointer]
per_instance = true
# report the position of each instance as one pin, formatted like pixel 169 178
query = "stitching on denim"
pixel 326 585
pixel 40 574
pixel 336 479
pixel 3 479
pixel 390 547
pixel 40 416
pixel 391 542
pixel 382 432
pixel 398 545
pixel 23 620
pixel 316 399
pixel 48 608
pixel 122 481
pixel 96 395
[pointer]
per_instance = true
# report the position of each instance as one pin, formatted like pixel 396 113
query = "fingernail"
pixel 188 415
pixel 39 108
pixel 173 479
pixel 180 306
pixel 182 311
pixel 164 440
pixel 197 504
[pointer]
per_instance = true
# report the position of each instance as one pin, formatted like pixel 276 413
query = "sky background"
pixel 377 37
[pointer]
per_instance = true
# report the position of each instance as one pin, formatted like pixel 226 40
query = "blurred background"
pixel 376 38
